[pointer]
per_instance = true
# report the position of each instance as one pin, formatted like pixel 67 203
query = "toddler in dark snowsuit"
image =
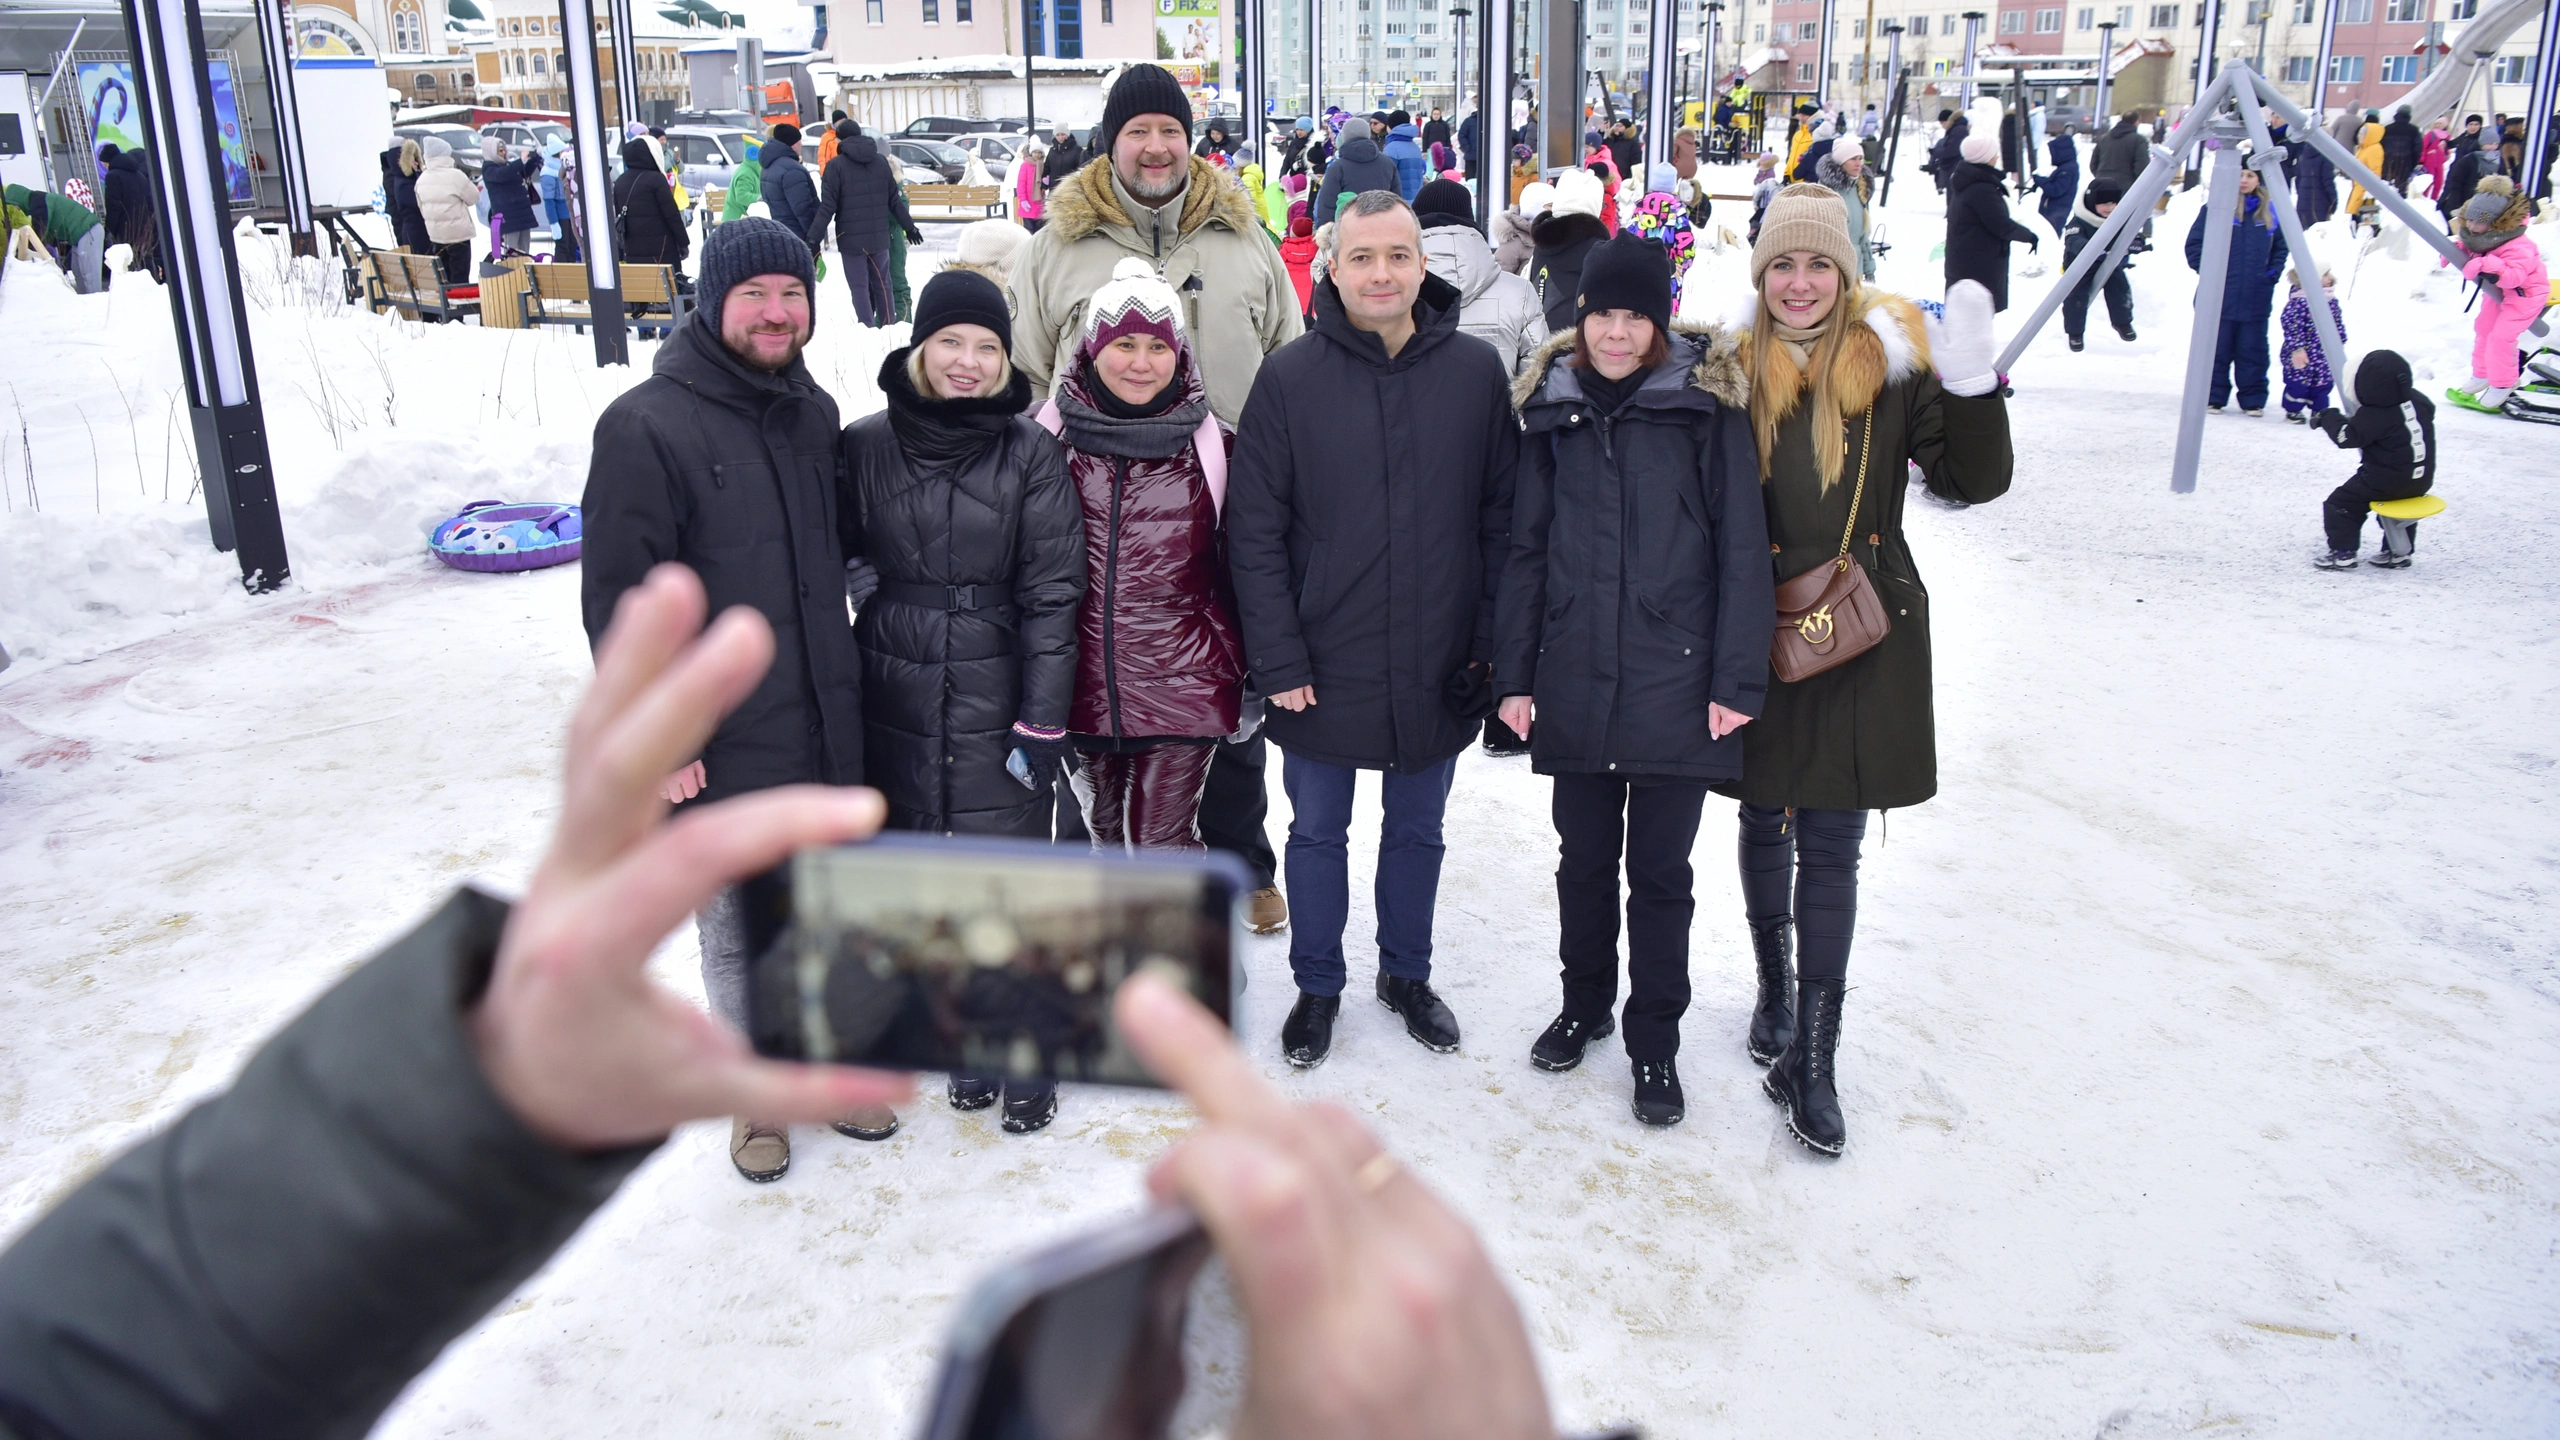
pixel 2394 432
pixel 2306 365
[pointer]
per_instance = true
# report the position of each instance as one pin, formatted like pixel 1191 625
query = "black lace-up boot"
pixel 1657 1100
pixel 1773 1020
pixel 1561 1047
pixel 1802 1079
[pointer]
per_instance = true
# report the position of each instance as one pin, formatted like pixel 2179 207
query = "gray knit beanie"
pixel 743 249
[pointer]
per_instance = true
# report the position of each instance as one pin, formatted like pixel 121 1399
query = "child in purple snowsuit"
pixel 2307 380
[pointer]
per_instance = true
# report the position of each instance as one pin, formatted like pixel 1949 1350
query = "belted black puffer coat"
pixel 966 510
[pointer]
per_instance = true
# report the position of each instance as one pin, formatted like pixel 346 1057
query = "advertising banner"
pixel 1190 40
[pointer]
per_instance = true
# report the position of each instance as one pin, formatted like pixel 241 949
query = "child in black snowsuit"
pixel 2077 232
pixel 2394 431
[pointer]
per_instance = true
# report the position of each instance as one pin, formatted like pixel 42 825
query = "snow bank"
pixel 378 429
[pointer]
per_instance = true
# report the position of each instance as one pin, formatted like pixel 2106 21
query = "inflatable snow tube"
pixel 492 535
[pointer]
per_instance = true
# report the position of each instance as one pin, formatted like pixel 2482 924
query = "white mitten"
pixel 1961 343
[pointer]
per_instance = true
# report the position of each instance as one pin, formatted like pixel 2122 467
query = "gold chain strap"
pixel 1866 441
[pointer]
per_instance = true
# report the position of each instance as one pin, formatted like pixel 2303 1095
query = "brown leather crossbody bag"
pixel 1831 613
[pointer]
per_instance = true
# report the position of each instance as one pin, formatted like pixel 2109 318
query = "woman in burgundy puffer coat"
pixel 1160 661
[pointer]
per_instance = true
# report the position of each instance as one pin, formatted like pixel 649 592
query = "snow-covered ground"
pixel 2202 1070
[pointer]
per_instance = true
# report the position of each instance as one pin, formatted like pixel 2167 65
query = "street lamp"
pixel 1458 71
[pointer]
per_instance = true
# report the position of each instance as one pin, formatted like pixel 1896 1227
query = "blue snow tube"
pixel 492 535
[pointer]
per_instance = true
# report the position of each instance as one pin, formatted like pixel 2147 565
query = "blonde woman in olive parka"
pixel 1846 382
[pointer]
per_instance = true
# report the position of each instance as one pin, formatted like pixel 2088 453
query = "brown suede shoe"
pixel 761 1152
pixel 1265 911
pixel 868 1122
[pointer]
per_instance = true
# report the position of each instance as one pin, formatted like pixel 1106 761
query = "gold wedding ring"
pixel 1373 1176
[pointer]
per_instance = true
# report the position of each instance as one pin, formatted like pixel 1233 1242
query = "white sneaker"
pixel 2472 386
pixel 2495 395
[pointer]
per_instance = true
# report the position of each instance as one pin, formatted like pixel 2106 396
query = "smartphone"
pixel 989 958
pixel 1081 1341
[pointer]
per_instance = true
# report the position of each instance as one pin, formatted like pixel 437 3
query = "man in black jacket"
pixel 1435 131
pixel 1368 520
pixel 2401 144
pixel 790 196
pixel 724 459
pixel 2120 156
pixel 861 195
pixel 1948 153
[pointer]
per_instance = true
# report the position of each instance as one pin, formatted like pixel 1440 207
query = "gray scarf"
pixel 1150 437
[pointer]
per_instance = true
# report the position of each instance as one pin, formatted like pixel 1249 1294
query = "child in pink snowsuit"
pixel 2492 229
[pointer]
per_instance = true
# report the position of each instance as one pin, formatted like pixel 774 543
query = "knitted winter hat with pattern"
pixel 1805 217
pixel 743 249
pixel 2496 205
pixel 1141 90
pixel 1134 301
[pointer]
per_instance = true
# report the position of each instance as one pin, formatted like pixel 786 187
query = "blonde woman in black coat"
pixel 970 569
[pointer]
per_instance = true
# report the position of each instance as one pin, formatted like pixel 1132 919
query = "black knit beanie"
pixel 743 249
pixel 787 133
pixel 1141 90
pixel 2103 192
pixel 960 297
pixel 1626 272
pixel 1444 202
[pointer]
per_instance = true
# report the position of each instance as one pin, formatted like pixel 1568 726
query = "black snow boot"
pixel 1802 1080
pixel 1658 1100
pixel 1561 1048
pixel 1306 1037
pixel 1426 1016
pixel 971 1093
pixel 1773 1019
pixel 1029 1105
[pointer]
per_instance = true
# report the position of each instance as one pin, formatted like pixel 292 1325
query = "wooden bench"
pixel 414 284
pixel 987 200
pixel 557 294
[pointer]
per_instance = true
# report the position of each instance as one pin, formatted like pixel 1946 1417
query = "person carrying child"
pixel 2306 366
pixel 2394 432
pixel 2491 227
pixel 2086 219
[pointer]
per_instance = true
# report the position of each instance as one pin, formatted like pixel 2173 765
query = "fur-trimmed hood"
pixel 1890 346
pixel 1085 202
pixel 1718 371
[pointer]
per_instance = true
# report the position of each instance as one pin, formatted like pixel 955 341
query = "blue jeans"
pixel 1319 868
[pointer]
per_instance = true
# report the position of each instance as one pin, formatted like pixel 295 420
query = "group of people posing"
pixel 1109 521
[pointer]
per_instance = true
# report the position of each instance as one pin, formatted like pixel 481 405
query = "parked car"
pixel 919 175
pixel 464 140
pixel 949 160
pixel 523 134
pixel 993 150
pixel 944 127
pixel 707 157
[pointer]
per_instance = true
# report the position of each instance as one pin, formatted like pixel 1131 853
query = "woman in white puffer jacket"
pixel 1498 308
pixel 447 198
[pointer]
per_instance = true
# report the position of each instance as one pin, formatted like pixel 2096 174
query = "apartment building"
pixel 519 65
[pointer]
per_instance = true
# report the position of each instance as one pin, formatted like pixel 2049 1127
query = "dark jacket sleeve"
pixel 1048 582
pixel 1260 492
pixel 1327 195
pixel 789 196
pixel 630 510
pixel 1746 596
pixel 1493 511
pixel 2195 243
pixel 1521 615
pixel 1961 443
pixel 291 1253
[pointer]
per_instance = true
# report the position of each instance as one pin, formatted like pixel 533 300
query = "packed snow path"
pixel 2200 1065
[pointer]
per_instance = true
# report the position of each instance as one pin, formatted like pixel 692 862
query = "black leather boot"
pixel 1306 1037
pixel 1426 1016
pixel 1029 1105
pixel 1773 1019
pixel 1657 1100
pixel 969 1092
pixel 1802 1080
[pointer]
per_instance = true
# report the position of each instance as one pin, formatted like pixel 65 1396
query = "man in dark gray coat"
pixel 860 195
pixel 1359 168
pixel 790 196
pixel 724 460
pixel 1368 520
